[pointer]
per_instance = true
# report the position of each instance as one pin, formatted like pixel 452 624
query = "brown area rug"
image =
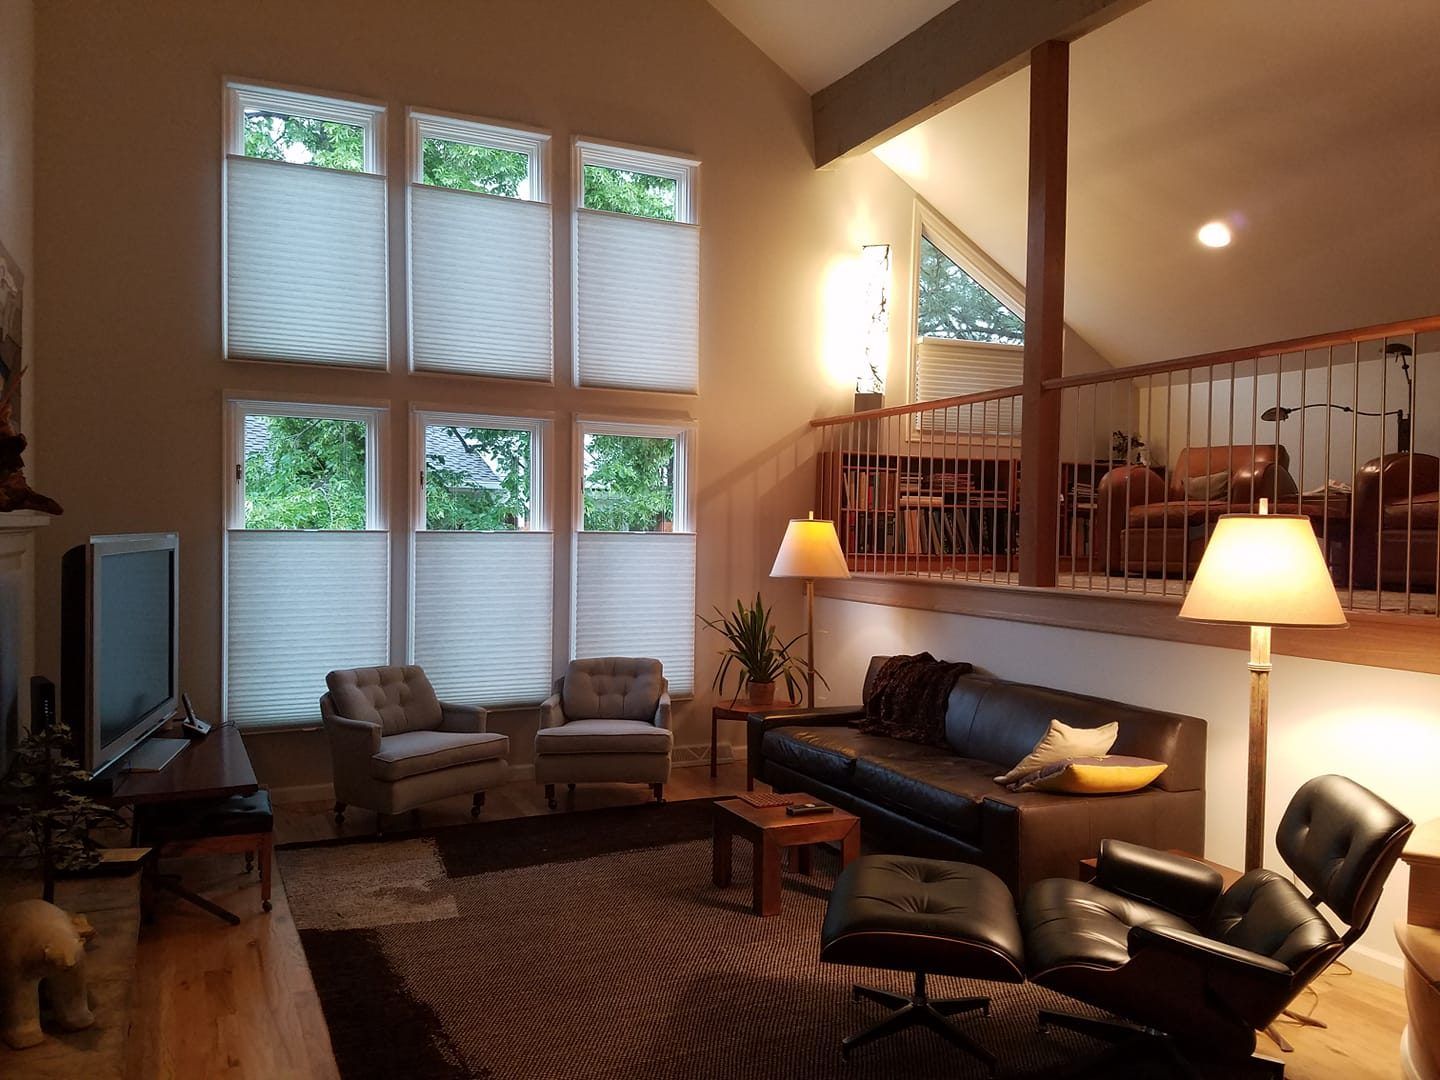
pixel 593 945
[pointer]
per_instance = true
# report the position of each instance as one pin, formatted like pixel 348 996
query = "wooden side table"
pixel 738 710
pixel 770 830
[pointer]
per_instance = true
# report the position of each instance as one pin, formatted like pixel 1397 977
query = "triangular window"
pixel 954 305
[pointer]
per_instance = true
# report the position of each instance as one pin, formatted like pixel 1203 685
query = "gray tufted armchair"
pixel 394 746
pixel 607 722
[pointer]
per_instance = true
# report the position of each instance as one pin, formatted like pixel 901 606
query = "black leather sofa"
pixel 944 802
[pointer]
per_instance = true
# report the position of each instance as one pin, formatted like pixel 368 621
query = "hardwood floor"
pixel 213 1000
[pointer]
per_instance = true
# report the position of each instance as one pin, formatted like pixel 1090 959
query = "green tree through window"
pixel 468 167
pixel 624 192
pixel 954 305
pixel 304 472
pixel 304 141
pixel 629 483
pixel 477 479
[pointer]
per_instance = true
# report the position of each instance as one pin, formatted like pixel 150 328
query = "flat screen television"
pixel 120 643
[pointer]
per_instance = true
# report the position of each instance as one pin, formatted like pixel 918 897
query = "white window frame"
pixel 366 114
pixel 375 417
pixel 683 170
pixel 684 434
pixel 538 512
pixel 475 131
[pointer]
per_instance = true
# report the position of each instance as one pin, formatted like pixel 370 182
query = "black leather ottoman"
pixel 927 917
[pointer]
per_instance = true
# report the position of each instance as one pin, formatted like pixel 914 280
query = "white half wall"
pixel 1379 727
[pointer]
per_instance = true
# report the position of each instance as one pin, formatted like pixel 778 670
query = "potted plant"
pixel 46 810
pixel 754 645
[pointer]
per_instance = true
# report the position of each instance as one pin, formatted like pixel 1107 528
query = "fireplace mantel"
pixel 13 520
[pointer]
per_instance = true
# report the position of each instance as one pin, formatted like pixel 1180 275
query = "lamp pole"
pixel 1259 738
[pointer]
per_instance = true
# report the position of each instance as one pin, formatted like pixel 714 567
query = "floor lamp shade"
pixel 1262 570
pixel 810 550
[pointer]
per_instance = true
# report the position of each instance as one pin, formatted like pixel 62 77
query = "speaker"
pixel 42 703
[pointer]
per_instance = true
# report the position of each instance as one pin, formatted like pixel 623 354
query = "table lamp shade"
pixel 1263 570
pixel 810 550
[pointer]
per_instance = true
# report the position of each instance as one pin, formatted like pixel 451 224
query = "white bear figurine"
pixel 40 942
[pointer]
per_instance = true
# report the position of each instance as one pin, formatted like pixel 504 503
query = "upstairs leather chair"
pixel 1395 533
pixel 394 746
pixel 607 722
pixel 1146 524
pixel 1154 940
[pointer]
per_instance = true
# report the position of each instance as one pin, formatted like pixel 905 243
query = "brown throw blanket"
pixel 909 698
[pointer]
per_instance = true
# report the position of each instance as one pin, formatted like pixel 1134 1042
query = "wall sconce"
pixel 870 380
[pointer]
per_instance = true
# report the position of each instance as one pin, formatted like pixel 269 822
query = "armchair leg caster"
pixel 477 804
pixel 265 905
pixel 659 790
pixel 339 813
pixel 550 795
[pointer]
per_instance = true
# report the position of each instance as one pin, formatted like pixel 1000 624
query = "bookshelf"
pixel 897 512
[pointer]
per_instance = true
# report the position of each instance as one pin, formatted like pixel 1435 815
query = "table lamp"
pixel 810 550
pixel 1262 570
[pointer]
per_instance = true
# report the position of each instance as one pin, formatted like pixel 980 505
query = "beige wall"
pixel 1379 727
pixel 128 217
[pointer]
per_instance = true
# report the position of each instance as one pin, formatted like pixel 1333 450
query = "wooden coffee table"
pixel 770 830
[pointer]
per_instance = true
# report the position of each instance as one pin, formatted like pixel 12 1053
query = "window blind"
pixel 638 303
pixel 305 264
pixel 483 615
pixel 635 596
pixel 301 604
pixel 480 295
pixel 945 368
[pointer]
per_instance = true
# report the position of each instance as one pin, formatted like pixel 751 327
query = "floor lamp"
pixel 811 551
pixel 1262 570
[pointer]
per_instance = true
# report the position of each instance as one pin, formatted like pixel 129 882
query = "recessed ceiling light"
pixel 1216 234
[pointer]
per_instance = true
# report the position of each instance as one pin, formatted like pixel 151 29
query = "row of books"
pixel 869 490
pixel 933 531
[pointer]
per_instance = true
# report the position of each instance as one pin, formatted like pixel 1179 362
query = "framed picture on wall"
pixel 12 294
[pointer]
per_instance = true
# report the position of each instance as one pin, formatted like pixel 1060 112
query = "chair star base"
pixel 918 1008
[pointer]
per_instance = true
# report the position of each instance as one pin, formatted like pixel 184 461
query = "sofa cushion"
pixel 1419 514
pixel 412 753
pixel 612 688
pixel 399 699
pixel 940 789
pixel 604 737
pixel 829 753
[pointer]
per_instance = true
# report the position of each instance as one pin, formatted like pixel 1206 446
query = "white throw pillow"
pixel 1063 742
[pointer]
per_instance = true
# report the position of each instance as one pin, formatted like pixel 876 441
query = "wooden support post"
pixel 1044 311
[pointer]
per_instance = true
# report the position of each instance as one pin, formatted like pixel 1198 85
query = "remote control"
pixel 804 809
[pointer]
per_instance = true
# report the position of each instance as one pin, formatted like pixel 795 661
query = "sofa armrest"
pixel 351 740
pixel 551 715
pixel 662 711
pixel 1120 490
pixel 756 724
pixel 468 719
pixel 1174 883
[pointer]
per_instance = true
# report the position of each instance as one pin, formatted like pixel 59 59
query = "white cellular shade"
pixel 301 604
pixel 305 275
pixel 946 368
pixel 635 596
pixel 483 615
pixel 480 284
pixel 638 302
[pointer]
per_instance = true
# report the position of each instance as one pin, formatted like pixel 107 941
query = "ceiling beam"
pixel 967 47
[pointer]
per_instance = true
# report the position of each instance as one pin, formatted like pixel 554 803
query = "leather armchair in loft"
pixel 1146 524
pixel 1155 941
pixel 1395 535
pixel 394 746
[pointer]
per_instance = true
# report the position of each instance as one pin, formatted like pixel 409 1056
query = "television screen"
pixel 132 639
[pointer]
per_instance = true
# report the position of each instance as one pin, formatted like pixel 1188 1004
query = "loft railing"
pixel 1343 428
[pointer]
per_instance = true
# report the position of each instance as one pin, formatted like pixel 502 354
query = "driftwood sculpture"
pixel 15 493
pixel 41 943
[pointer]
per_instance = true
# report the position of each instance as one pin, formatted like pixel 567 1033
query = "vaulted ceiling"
pixel 1312 127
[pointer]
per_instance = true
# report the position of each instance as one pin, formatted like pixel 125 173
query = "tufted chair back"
pixel 1342 842
pixel 399 699
pixel 611 688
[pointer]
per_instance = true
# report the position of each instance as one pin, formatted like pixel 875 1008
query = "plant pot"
pixel 762 693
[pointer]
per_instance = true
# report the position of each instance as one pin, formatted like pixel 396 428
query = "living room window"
pixel 483 595
pixel 637 269
pixel 305 260
pixel 634 589
pixel 481 298
pixel 307 555
pixel 968 340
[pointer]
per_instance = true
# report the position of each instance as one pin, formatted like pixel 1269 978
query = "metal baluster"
pixel 1410 484
pixel 1354 458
